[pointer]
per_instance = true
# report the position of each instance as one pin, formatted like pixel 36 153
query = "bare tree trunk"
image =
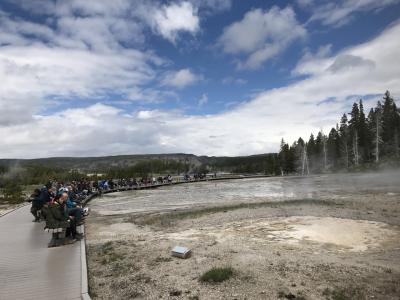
pixel 325 155
pixel 355 148
pixel 304 162
pixel 377 141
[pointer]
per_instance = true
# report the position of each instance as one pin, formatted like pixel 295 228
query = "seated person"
pixel 57 217
pixel 73 209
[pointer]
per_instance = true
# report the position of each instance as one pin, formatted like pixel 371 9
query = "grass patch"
pixel 215 275
pixel 107 247
pixel 343 294
pixel 109 254
pixel 169 218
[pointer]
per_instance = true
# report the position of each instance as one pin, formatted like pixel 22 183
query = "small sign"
pixel 181 252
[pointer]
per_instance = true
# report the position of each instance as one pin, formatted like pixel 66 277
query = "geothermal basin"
pixel 312 237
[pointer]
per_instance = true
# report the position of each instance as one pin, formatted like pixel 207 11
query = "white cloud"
pixel 338 13
pixel 261 35
pixel 349 61
pixel 313 63
pixel 125 20
pixel 169 20
pixel 203 100
pixel 81 54
pixel 181 78
pixel 253 127
pixel 49 71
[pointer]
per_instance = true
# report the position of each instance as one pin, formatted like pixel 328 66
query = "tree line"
pixel 149 167
pixel 358 141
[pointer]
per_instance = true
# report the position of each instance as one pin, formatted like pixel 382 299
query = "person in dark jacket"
pixel 37 205
pixel 57 217
pixel 45 193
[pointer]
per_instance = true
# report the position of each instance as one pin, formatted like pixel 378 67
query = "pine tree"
pixel 319 154
pixel 333 145
pixel 389 126
pixel 287 158
pixel 357 139
pixel 344 139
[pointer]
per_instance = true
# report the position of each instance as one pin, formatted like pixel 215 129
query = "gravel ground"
pixel 332 245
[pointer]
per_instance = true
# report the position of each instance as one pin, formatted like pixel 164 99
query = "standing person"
pixel 45 193
pixel 37 205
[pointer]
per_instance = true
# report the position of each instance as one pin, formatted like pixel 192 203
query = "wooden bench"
pixel 57 237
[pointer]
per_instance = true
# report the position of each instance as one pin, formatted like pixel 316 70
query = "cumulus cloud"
pixel 83 51
pixel 50 71
pixel 338 13
pixel 261 35
pixel 180 79
pixel 171 19
pixel 124 20
pixel 313 63
pixel 252 127
pixel 321 62
pixel 348 61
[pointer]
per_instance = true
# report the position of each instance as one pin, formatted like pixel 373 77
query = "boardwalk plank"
pixel 30 270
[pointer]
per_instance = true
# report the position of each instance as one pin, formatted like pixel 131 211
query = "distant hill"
pixel 102 164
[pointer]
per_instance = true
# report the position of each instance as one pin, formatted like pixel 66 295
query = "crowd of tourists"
pixel 111 184
pixel 60 205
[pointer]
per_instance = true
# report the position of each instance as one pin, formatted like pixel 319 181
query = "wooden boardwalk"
pixel 30 270
pixel 157 185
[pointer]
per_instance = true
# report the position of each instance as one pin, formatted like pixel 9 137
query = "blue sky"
pixel 215 77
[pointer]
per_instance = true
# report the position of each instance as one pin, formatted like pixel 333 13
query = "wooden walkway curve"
pixel 30 270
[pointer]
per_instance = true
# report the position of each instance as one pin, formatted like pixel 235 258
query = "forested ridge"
pixel 356 142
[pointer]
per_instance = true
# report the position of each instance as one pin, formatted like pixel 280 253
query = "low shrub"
pixel 217 274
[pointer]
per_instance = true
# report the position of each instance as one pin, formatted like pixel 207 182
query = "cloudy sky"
pixel 209 77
